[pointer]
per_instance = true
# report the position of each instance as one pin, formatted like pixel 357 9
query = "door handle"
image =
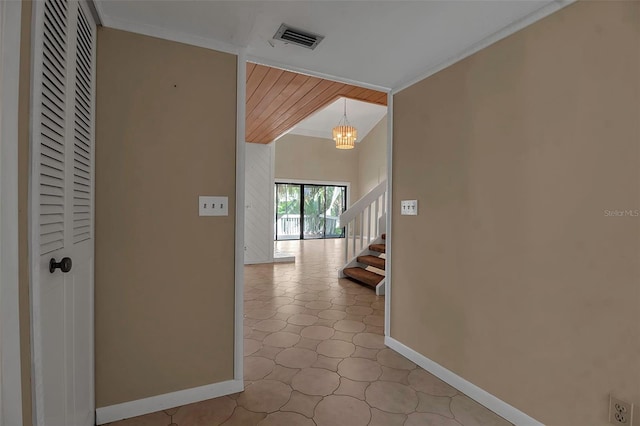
pixel 64 265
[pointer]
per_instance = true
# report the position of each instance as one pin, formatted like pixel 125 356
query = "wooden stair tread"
pixel 362 275
pixel 376 262
pixel 380 248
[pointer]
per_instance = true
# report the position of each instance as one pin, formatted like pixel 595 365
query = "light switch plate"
pixel 409 207
pixel 213 206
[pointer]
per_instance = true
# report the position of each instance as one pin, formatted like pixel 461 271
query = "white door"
pixel 62 188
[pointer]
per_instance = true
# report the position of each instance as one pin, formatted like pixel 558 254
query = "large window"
pixel 305 211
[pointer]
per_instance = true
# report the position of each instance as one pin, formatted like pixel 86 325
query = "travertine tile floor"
pixel 314 355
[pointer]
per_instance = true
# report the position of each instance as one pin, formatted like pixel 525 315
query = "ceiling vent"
pixel 298 37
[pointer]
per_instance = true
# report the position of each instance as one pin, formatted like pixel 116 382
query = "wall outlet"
pixel 213 206
pixel 620 412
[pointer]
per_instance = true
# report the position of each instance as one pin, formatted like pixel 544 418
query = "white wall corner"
pixel 259 204
pixel 474 392
pixel 272 183
pixel 152 404
pixel 389 218
pixel 238 315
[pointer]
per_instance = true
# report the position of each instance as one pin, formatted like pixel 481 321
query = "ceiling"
pixel 385 43
pixel 277 100
pixel 362 115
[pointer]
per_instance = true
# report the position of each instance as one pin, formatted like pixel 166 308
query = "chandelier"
pixel 344 134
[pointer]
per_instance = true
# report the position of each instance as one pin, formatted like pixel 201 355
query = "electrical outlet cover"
pixel 620 412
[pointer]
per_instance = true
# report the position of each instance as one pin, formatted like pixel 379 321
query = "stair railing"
pixel 362 221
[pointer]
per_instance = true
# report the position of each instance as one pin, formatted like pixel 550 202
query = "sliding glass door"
pixel 288 212
pixel 306 211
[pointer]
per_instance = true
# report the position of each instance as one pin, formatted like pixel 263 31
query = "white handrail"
pixel 359 206
pixel 357 222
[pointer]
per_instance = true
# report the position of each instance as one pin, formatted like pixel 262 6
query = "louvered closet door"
pixel 62 212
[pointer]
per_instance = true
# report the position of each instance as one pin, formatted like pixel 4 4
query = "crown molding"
pixel 166 34
pixel 505 32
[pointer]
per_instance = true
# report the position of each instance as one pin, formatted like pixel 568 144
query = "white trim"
pixel 508 30
pixel 312 182
pixel 275 64
pixel 33 200
pixel 272 208
pixel 166 34
pixel 474 392
pixel 144 406
pixel 241 87
pixel 389 218
pixel 97 5
pixel 92 17
pixel 257 262
pixel 10 368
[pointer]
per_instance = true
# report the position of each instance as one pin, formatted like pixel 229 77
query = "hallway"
pixel 314 355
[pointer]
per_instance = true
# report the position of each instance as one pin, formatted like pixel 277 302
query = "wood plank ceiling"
pixel 277 100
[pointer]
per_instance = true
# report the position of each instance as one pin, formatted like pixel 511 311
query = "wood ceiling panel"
pixel 382 99
pixel 277 100
pixel 264 88
pixel 260 101
pixel 271 129
pixel 259 127
pixel 294 87
pixel 250 68
pixel 255 79
pixel 318 102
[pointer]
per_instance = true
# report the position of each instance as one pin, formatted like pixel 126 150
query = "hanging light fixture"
pixel 344 134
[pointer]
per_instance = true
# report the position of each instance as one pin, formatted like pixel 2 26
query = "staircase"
pixel 370 267
pixel 365 244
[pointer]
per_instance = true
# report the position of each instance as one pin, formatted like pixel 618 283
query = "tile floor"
pixel 314 356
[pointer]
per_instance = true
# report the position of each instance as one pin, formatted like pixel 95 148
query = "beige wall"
pixel 309 158
pixel 372 158
pixel 512 276
pixel 166 119
pixel 23 219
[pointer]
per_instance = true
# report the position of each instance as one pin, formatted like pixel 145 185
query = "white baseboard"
pixel 152 404
pixel 257 262
pixel 481 396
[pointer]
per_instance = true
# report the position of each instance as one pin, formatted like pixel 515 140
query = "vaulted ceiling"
pixel 277 100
